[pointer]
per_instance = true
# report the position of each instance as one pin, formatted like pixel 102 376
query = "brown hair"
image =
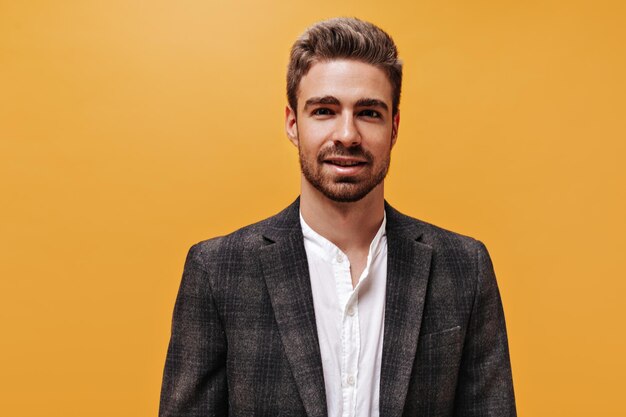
pixel 348 38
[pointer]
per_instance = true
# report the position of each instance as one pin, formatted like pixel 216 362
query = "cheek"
pixel 376 133
pixel 307 152
pixel 382 152
pixel 310 142
pixel 316 131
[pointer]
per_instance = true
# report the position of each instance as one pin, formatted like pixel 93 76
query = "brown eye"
pixel 322 112
pixel 370 113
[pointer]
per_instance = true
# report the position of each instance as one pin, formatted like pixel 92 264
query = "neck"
pixel 350 226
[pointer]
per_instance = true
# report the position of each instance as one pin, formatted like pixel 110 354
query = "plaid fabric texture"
pixel 244 340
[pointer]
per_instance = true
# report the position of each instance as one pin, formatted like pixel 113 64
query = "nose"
pixel 347 131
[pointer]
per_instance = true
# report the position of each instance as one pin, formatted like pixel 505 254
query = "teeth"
pixel 346 163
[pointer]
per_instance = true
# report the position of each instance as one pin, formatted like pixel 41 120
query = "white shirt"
pixel 349 322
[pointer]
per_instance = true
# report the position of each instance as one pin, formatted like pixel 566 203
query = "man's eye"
pixel 322 112
pixel 370 113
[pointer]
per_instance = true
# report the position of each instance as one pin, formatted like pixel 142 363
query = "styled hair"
pixel 344 38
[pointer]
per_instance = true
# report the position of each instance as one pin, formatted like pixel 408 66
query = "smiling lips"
pixel 344 162
pixel 345 166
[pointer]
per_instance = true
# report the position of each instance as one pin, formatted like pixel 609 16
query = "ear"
pixel 394 128
pixel 291 125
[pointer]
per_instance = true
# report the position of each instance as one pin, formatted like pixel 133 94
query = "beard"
pixel 343 188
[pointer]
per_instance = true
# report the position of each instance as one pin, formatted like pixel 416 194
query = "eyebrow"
pixel 363 102
pixel 372 102
pixel 321 100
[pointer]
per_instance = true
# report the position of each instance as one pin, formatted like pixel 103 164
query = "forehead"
pixel 347 80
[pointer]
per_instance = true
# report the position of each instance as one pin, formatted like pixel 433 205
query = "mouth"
pixel 345 166
pixel 345 162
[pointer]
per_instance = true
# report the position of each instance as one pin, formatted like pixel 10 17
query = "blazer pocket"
pixel 443 338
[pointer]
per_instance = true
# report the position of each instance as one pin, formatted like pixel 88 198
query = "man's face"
pixel 344 128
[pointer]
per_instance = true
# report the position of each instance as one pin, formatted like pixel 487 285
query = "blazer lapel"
pixel 408 266
pixel 286 272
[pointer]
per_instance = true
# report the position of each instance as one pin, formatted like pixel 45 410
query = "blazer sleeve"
pixel 485 385
pixel 194 379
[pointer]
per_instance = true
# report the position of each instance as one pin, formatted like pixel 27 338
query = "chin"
pixel 350 194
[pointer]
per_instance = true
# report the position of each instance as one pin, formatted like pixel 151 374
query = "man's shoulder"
pixel 437 237
pixel 249 237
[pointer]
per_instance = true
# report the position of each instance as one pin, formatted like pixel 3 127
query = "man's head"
pixel 343 89
pixel 344 38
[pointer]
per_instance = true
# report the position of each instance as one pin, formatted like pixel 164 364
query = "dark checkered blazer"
pixel 244 340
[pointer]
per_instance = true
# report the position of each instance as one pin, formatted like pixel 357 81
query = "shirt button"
pixel 339 258
pixel 351 311
pixel 350 380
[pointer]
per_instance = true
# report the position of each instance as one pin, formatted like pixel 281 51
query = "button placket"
pixel 350 333
pixel 346 394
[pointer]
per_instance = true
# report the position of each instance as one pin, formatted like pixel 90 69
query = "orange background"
pixel 130 130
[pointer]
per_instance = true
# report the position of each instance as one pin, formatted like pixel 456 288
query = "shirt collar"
pixel 329 251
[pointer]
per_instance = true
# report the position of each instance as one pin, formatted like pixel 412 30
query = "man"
pixel 339 305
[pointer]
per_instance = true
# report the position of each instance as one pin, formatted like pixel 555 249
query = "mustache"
pixel 339 150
